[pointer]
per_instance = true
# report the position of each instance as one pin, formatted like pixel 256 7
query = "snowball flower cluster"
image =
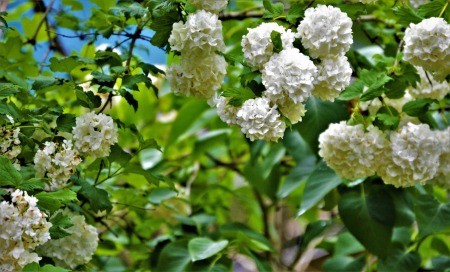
pixel 94 134
pixel 429 87
pixel 326 31
pixel 10 145
pixel 214 6
pixel 443 173
pixel 202 31
pixel 226 112
pixel 197 76
pixel 292 111
pixel 427 44
pixel 56 161
pixel 412 156
pixel 23 227
pixel 333 77
pixel 260 121
pixel 288 74
pixel 350 151
pixel 75 249
pixel 257 44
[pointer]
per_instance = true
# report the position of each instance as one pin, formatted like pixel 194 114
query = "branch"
pixel 44 18
pixel 240 15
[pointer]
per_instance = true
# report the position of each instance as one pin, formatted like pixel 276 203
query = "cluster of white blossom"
pixel 214 6
pixel 429 87
pixel 351 151
pixel 427 44
pixel 75 249
pixel 94 134
pixel 56 161
pixel 413 154
pixel 258 47
pixel 226 112
pixel 326 31
pixel 23 227
pixel 259 120
pixel 333 77
pixel 10 145
pixel 201 71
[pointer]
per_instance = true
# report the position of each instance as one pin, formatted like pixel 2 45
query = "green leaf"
pixel 8 89
pixel 66 122
pixel 88 99
pixel 312 231
pixel 296 12
pixel 130 99
pixel 174 257
pixel 275 37
pixel 297 176
pixel 162 26
pixel 431 9
pixel 387 118
pixel 272 10
pixel 369 215
pixel 417 107
pixel 432 217
pixel 32 184
pixel 203 248
pixel 406 15
pixel 238 96
pixel 354 90
pixel 119 155
pixel 42 82
pixel 97 198
pixel 130 82
pixel 158 195
pixel 344 263
pixel 399 259
pixel 65 65
pixel 34 267
pixel 52 201
pixel 246 236
pixel 321 181
pixel 9 176
pixel 60 222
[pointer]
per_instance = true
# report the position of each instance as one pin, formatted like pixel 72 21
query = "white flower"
pixel 10 145
pixel 257 44
pixel 260 121
pixel 214 6
pixel 427 44
pixel 417 3
pixel 326 31
pixel 226 112
pixel 429 87
pixel 23 227
pixel 350 151
pixel 201 32
pixel 412 156
pixel 75 249
pixel 443 173
pixel 94 134
pixel 56 161
pixel 289 74
pixel 292 111
pixel 197 75
pixel 333 77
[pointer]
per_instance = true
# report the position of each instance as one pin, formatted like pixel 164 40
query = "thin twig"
pixel 49 7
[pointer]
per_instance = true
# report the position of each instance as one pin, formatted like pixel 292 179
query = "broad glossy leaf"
pixel 203 248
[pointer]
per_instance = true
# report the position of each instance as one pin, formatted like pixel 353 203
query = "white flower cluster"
pixel 427 44
pixel 429 87
pixel 214 6
pixel 350 151
pixel 10 145
pixel 292 111
pixel 259 120
pixel 288 74
pixel 326 31
pixel 23 227
pixel 333 77
pixel 412 157
pixel 75 249
pixel 226 112
pixel 443 173
pixel 197 76
pixel 201 71
pixel 94 134
pixel 56 161
pixel 417 3
pixel 257 44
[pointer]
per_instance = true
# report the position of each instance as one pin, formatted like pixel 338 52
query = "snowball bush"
pixel 412 156
pixel 289 74
pixel 350 151
pixel 326 31
pixel 214 6
pixel 257 44
pixel 333 77
pixel 226 112
pixel 202 32
pixel 427 44
pixel 10 145
pixel 23 227
pixel 94 134
pixel 429 87
pixel 260 121
pixel 75 249
pixel 443 173
pixel 292 111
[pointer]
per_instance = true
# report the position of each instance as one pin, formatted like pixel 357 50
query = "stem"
pixel 108 100
pixel 265 213
pixel 443 10
pixel 44 18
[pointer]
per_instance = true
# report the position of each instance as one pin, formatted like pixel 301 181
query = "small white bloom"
pixel 257 44
pixel 10 145
pixel 443 173
pixel 289 74
pixel 260 121
pixel 326 31
pixel 333 77
pixel 94 134
pixel 214 6
pixel 226 112
pixel 427 44
pixel 75 249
